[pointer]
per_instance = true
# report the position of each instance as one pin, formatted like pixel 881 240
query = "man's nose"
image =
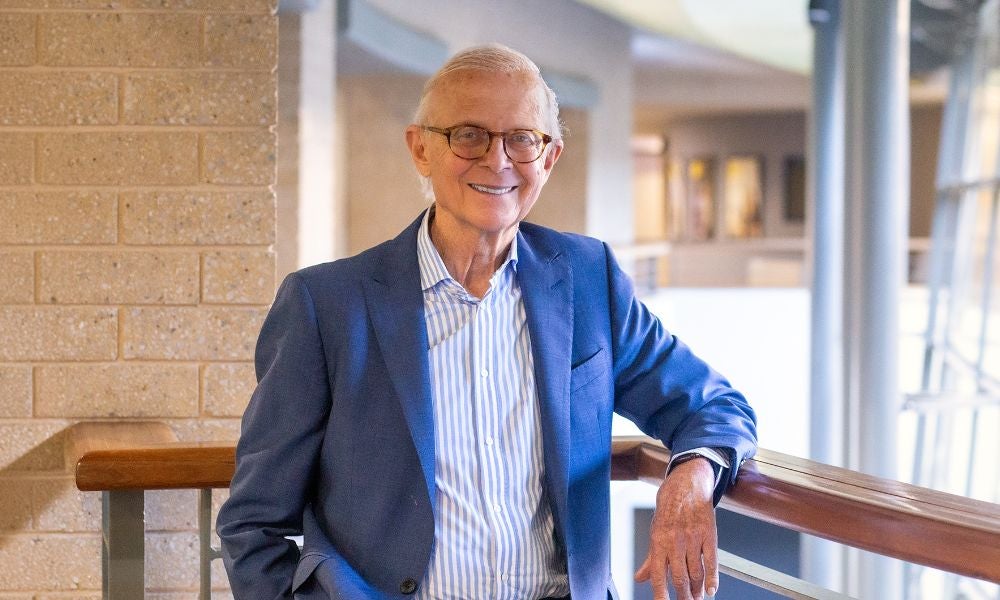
pixel 496 157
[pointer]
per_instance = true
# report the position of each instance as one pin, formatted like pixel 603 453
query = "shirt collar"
pixel 432 269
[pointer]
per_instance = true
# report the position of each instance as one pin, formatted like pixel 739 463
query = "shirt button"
pixel 485 372
pixel 496 507
pixel 489 441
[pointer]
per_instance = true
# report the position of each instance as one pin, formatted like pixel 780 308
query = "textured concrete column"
pixel 317 210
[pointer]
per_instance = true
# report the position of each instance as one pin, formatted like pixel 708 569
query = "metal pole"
pixel 123 548
pixel 823 561
pixel 877 151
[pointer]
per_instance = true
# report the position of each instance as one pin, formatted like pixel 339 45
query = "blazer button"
pixel 408 586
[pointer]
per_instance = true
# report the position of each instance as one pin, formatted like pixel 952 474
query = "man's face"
pixel 490 195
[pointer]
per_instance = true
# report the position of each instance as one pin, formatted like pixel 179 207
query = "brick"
pixel 36 445
pixel 60 507
pixel 17 152
pixel 116 390
pixel 198 218
pixel 77 4
pixel 191 333
pixel 58 333
pixel 249 42
pixel 240 157
pixel 118 158
pixel 58 98
pixel 171 510
pixel 17 272
pixel 200 99
pixel 238 277
pixel 172 560
pixel 227 388
pixel 15 498
pixel 15 392
pixel 245 6
pixel 17 39
pixel 117 39
pixel 62 562
pixel 112 277
pixel 199 430
pixel 58 218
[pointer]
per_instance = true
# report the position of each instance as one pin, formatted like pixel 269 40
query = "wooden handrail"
pixel 915 524
pixel 180 465
pixel 895 519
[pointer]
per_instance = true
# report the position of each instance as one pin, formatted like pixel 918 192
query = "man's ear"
pixel 418 149
pixel 552 155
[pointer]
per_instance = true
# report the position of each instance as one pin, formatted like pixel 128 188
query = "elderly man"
pixel 433 416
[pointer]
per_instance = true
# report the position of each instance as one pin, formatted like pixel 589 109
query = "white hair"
pixel 492 58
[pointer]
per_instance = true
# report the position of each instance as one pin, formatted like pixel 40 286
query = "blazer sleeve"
pixel 280 441
pixel 666 390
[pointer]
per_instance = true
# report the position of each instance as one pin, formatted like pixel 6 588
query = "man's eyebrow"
pixel 481 126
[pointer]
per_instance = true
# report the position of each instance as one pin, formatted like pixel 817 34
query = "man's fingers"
pixel 696 573
pixel 643 573
pixel 711 558
pixel 681 581
pixel 654 570
pixel 659 581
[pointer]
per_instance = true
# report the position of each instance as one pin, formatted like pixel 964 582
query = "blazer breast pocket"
pixel 588 370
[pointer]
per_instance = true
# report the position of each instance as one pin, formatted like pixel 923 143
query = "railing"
pixel 888 517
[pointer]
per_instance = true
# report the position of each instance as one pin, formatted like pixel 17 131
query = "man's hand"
pixel 682 537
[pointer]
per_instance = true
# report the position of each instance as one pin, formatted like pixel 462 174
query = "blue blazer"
pixel 337 442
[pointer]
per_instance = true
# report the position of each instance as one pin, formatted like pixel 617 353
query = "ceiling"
pixel 709 56
pixel 772 32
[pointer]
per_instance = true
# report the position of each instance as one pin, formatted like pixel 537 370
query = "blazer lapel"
pixel 396 307
pixel 546 282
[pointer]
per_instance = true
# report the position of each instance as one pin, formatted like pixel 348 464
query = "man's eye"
pixel 468 135
pixel 521 138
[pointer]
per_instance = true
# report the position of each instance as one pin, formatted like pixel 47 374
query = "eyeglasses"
pixel 471 142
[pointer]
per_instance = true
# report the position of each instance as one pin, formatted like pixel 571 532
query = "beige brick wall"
pixel 137 223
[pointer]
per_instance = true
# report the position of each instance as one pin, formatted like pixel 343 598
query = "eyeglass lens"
pixel 521 145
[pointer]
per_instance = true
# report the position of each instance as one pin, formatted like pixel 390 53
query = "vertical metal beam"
pixel 206 552
pixel 123 550
pixel 822 561
pixel 877 160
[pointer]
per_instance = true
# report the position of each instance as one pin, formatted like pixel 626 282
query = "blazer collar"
pixel 396 307
pixel 546 281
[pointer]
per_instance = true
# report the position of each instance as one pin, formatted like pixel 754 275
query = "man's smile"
pixel 492 189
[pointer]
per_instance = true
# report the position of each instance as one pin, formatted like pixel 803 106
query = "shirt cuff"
pixel 720 462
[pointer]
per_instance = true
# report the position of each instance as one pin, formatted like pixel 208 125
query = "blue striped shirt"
pixel 493 527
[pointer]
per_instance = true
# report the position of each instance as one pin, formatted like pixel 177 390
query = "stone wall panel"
pixel 147 158
pixel 199 218
pixel 101 39
pixel 57 333
pixel 15 392
pixel 17 272
pixel 58 217
pixel 117 390
pixel 179 98
pixel 182 333
pixel 113 277
pixel 58 98
pixel 238 277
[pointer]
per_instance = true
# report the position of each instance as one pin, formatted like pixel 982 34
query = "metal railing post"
pixel 123 548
